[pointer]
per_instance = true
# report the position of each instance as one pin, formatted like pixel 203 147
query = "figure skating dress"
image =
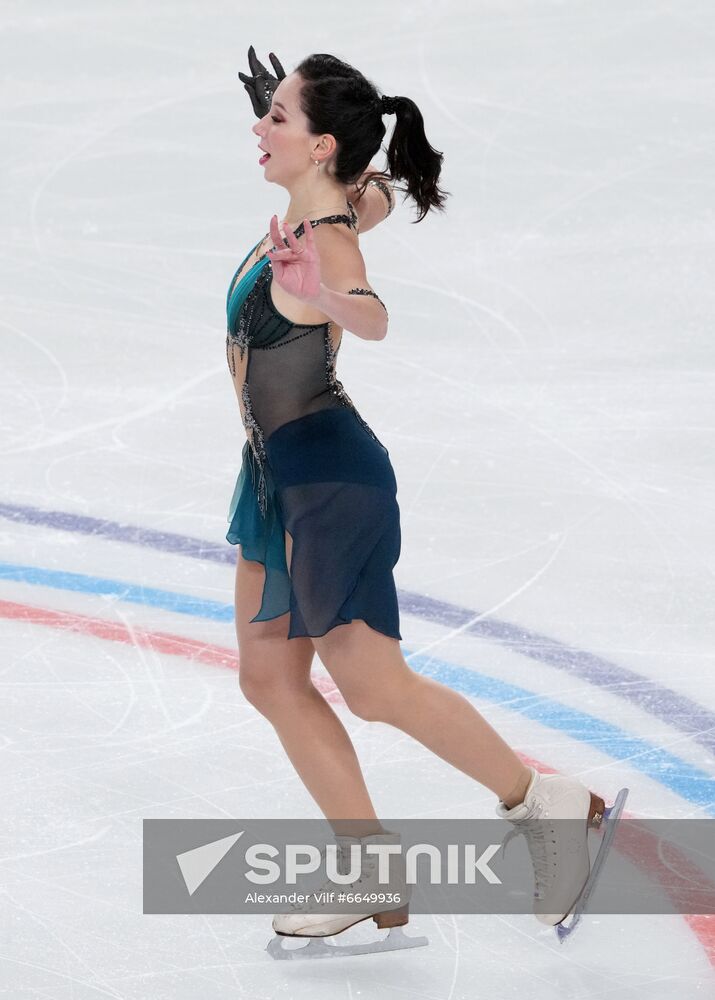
pixel 310 465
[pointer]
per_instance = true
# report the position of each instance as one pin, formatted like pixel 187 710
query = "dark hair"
pixel 337 98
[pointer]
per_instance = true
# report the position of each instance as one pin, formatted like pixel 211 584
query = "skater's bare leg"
pixel 378 684
pixel 274 675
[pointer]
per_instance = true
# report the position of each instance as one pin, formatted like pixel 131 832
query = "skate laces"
pixel 538 839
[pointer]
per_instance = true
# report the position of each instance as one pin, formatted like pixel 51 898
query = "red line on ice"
pixel 638 846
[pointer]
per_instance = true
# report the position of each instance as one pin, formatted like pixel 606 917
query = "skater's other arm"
pixel 345 295
pixel 377 201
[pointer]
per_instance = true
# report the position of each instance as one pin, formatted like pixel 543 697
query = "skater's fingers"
pixel 257 67
pixel 280 72
pixel 292 239
pixel 275 232
pixel 278 238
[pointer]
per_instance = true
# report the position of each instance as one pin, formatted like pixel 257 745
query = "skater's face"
pixel 284 133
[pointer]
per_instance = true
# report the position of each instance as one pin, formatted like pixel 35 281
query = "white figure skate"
pixel 559 852
pixel 309 920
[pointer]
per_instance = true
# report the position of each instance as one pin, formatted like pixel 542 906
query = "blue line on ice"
pixel 657 763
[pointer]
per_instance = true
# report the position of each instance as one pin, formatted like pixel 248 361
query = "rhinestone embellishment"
pixel 255 439
pixel 385 190
pixel 369 291
pixel 336 386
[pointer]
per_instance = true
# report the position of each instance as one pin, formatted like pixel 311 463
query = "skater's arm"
pixel 377 200
pixel 345 294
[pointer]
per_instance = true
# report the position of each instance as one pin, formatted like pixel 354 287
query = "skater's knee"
pixel 369 670
pixel 378 704
pixel 357 702
pixel 367 709
pixel 270 691
pixel 271 676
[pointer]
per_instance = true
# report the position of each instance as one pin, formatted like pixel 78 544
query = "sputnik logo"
pixel 197 864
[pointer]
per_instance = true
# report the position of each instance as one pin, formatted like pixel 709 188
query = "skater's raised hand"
pixel 296 267
pixel 261 84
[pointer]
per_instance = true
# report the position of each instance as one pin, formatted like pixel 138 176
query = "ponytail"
pixel 411 158
pixel 337 98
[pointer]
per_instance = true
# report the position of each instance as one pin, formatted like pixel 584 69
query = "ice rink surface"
pixel 546 395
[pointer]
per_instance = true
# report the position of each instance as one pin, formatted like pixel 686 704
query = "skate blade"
pixel 396 940
pixel 610 821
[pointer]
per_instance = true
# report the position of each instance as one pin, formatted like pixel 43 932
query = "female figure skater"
pixel 314 508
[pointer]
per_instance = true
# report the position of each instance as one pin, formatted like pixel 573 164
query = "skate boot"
pixel 559 851
pixel 310 919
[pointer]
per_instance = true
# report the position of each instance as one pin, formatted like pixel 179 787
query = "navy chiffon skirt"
pixel 330 484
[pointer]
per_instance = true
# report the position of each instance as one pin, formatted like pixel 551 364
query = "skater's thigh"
pixel 267 657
